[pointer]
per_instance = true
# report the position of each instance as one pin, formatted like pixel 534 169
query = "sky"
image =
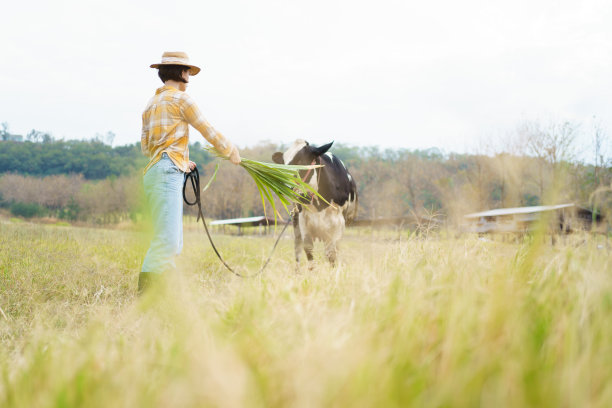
pixel 397 74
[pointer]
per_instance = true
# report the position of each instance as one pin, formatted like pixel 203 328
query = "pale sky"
pixel 411 74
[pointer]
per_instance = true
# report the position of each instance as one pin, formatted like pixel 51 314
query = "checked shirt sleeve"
pixel 194 117
pixel 144 138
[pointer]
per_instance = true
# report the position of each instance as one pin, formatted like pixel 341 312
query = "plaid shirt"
pixel 165 128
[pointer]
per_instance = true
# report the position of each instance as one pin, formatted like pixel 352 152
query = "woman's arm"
pixel 194 117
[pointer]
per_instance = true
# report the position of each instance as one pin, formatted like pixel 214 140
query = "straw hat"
pixel 177 58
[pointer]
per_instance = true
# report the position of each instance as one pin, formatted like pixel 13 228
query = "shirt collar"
pixel 165 88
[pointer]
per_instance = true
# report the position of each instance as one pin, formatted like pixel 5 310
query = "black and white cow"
pixel 316 218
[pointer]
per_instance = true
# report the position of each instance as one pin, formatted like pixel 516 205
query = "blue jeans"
pixel 163 185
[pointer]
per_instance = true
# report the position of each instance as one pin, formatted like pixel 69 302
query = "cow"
pixel 326 219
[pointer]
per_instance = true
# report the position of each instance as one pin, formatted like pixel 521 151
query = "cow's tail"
pixel 350 211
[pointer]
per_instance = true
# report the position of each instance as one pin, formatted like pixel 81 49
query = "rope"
pixel 194 178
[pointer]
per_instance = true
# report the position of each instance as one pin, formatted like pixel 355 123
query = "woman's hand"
pixel 234 156
pixel 191 166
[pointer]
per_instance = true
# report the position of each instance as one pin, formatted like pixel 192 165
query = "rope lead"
pixel 194 179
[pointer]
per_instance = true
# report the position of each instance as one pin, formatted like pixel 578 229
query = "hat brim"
pixel 193 70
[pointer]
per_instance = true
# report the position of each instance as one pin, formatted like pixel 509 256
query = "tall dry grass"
pixel 400 322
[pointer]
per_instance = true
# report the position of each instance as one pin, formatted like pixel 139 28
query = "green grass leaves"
pixel 280 180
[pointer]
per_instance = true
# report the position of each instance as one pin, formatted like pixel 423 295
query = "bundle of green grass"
pixel 282 180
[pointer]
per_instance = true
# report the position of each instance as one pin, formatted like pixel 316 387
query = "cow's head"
pixel 300 153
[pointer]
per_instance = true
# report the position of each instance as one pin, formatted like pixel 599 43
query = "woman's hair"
pixel 173 72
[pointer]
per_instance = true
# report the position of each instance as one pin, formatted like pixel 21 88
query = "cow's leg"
pixel 308 247
pixel 334 234
pixel 299 243
pixel 306 236
pixel 331 251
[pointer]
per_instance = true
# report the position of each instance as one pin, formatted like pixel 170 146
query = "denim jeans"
pixel 163 185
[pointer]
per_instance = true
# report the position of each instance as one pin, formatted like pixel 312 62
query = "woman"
pixel 165 140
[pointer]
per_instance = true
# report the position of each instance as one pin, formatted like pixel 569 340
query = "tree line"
pixel 92 159
pixel 535 164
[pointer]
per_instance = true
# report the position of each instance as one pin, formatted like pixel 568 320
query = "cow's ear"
pixel 278 158
pixel 322 149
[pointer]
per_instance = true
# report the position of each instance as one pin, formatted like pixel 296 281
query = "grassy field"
pixel 408 322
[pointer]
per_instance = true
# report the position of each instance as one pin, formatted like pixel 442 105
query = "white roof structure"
pixel 518 210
